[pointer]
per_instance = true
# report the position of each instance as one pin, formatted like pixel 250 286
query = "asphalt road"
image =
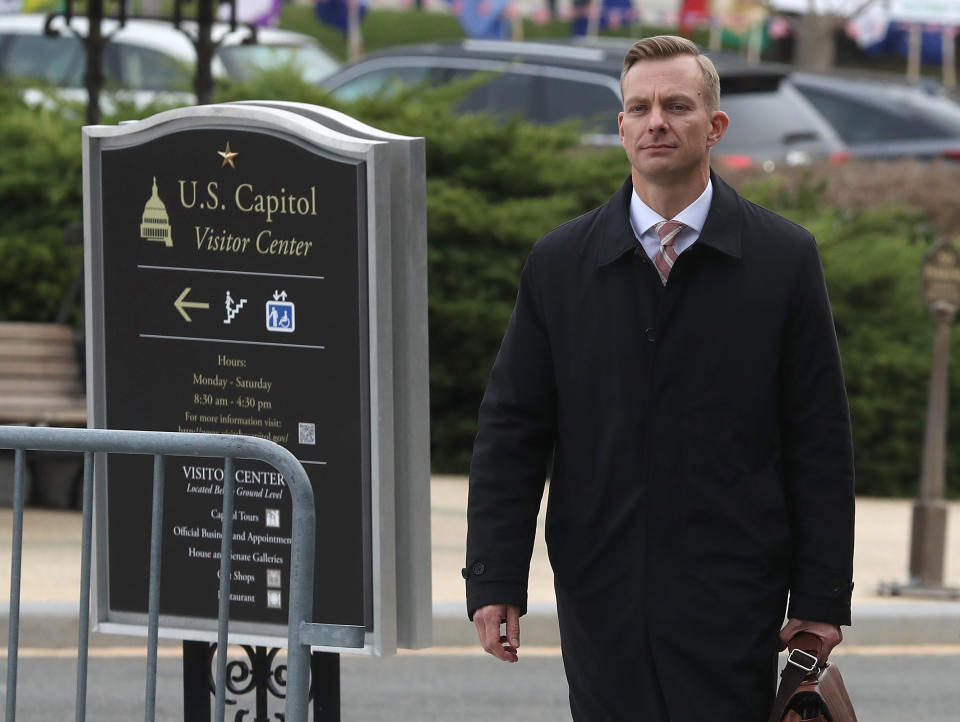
pixel 458 686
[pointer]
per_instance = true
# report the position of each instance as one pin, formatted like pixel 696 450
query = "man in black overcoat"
pixel 673 351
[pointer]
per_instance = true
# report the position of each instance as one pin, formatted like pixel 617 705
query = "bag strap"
pixel 803 662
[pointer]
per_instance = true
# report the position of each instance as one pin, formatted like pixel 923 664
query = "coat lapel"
pixel 722 229
pixel 617 235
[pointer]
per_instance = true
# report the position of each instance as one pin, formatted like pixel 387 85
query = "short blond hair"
pixel 669 46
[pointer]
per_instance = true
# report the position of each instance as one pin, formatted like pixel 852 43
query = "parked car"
pixel 882 119
pixel 772 122
pixel 147 60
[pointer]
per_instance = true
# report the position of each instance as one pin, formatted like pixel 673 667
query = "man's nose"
pixel 657 118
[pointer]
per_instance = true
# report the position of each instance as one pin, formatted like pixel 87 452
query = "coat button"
pixel 478 568
pixel 650 335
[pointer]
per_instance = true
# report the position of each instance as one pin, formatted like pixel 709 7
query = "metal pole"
pixel 223 612
pixel 715 44
pixel 914 48
pixel 16 560
pixel 755 43
pixel 949 53
pixel 594 11
pixel 156 546
pixel 203 82
pixel 354 36
pixel 94 76
pixel 930 511
pixel 86 548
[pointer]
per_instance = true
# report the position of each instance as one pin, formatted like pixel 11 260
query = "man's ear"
pixel 620 126
pixel 719 121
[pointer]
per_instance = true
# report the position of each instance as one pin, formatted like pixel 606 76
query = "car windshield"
pixel 58 61
pixel 243 62
pixel 888 114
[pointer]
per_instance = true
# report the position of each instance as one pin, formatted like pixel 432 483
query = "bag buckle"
pixel 804 660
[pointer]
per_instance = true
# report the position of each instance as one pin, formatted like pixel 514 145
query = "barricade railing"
pixel 300 632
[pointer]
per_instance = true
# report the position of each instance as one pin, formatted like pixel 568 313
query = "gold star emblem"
pixel 228 156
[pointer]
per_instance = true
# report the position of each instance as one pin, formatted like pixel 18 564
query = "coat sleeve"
pixel 516 433
pixel 817 453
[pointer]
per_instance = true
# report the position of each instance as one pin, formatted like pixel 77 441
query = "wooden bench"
pixel 40 378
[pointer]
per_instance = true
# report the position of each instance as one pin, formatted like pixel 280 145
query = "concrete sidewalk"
pixel 51 577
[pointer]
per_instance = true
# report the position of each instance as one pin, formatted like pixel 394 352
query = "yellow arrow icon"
pixel 181 304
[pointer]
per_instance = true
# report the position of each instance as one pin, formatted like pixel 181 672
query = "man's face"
pixel 665 128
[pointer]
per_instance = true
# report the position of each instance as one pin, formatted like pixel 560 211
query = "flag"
pixel 694 14
pixel 612 14
pixel 335 12
pixel 483 18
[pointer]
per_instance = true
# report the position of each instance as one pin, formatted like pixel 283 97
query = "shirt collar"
pixel 694 216
pixel 721 231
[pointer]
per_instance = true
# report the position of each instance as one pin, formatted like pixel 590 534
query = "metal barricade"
pixel 161 444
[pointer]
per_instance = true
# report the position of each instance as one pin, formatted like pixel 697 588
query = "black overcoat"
pixel 702 460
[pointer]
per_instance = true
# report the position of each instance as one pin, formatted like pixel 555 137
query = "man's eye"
pixel 638 108
pixel 679 106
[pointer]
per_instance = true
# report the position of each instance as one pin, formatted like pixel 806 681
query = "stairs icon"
pixel 233 308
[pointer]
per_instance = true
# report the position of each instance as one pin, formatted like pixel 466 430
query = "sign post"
pixel 240 279
pixel 941 292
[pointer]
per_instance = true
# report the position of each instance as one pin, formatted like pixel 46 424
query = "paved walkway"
pixel 51 565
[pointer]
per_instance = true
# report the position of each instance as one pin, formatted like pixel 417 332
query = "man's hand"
pixel 488 620
pixel 829 633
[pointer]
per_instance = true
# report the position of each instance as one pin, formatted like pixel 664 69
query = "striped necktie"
pixel 667 255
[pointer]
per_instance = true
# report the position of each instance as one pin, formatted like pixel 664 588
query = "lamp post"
pixel 941 292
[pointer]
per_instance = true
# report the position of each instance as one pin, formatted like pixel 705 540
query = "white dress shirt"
pixel 644 219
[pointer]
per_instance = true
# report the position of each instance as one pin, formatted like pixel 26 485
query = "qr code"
pixel 308 433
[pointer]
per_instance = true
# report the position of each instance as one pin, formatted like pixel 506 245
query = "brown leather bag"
pixel 811 688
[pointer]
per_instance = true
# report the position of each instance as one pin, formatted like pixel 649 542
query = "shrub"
pixel 41 192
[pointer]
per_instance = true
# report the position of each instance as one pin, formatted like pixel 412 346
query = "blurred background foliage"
pixel 492 190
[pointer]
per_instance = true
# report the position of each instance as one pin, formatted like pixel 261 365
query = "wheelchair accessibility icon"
pixel 280 313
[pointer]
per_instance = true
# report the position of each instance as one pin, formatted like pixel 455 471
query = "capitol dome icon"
pixel 155 225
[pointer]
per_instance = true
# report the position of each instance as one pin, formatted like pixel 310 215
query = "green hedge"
pixel 40 193
pixel 493 189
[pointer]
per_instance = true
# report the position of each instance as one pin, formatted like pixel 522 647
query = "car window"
pixel 381 81
pixel 503 95
pixel 596 106
pixel 860 122
pixel 56 60
pixel 244 61
pixel 145 69
pixel 770 121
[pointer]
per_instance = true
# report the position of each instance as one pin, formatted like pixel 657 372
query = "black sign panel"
pixel 234 272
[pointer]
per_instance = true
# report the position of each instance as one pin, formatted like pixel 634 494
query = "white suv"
pixel 148 60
